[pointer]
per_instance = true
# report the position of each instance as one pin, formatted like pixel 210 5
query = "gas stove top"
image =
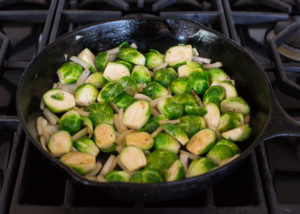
pixel 268 181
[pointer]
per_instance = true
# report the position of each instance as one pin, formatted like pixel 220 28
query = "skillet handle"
pixel 280 123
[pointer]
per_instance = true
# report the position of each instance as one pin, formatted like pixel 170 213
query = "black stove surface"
pixel 268 181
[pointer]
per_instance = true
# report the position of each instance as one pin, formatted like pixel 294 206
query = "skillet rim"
pixel 92 183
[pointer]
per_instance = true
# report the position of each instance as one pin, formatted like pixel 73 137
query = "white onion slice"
pixel 83 77
pixel 190 155
pixel 51 117
pixel 80 62
pixel 115 50
pixel 142 97
pixel 157 131
pixel 213 65
pixel 164 65
pixel 80 134
pixel 106 167
pixel 184 160
pixel 201 59
pixel 133 45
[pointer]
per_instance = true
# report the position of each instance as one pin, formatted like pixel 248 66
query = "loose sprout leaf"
pixel 100 113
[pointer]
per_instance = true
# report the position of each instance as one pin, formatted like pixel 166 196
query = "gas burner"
pixel 279 5
pixel 290 48
pixel 182 5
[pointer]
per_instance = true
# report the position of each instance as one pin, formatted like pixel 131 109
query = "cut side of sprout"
pixel 58 100
pixel 84 64
pixel 60 143
pixel 132 158
pixel 137 114
pixel 164 65
pixel 115 71
pixel 212 117
pixel 87 56
pixel 178 55
pixel 81 163
pixel 142 140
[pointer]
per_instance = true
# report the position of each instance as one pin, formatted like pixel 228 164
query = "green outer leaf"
pixel 70 122
pixel 176 132
pixel 215 94
pixel 160 160
pixel 117 176
pixel 198 81
pixel 164 141
pixel 131 55
pixel 86 145
pixel 124 100
pixel 100 113
pixel 191 124
pixel 110 91
pixel 128 84
pixel 101 61
pixel 165 76
pixel 146 176
pixel 200 166
pixel 179 169
pixel 69 72
pixel 155 90
pixel 152 124
pixel 141 74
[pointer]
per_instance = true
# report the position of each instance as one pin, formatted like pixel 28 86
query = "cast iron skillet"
pixel 267 117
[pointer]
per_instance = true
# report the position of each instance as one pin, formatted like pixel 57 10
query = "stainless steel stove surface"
pixel 268 181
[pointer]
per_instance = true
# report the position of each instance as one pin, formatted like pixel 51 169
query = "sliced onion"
pixel 52 118
pixel 133 45
pixel 213 65
pixel 54 85
pixel 112 57
pixel 117 123
pixel 44 125
pixel 122 125
pixel 81 133
pixel 122 136
pixel 164 65
pixel 161 122
pixel 73 149
pixel 232 82
pixel 71 88
pixel 43 143
pixel 119 148
pixel 52 130
pixel 83 77
pixel 154 112
pixel 169 91
pixel 106 167
pixel 201 59
pixel 42 105
pixel 157 131
pixel 100 178
pixel 114 107
pixel 190 155
pixel 226 161
pixel 113 164
pixel 184 160
pixel 39 125
pixel 91 178
pixel 142 97
pixel 115 50
pixel 195 52
pixel 96 170
pixel 155 102
pixel 81 112
pixel 197 98
pixel 76 59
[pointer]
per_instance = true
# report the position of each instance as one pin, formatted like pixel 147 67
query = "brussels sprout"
pixel 141 74
pixel 58 100
pixel 81 163
pixel 194 109
pixel 153 124
pixel 238 134
pixel 100 113
pixel 165 76
pixel 146 176
pixel 185 70
pixel 212 117
pixel 128 84
pixel 191 124
pixel 200 166
pixel 235 104
pixel 85 94
pixel 60 143
pixel 161 160
pixel 132 158
pixel 180 86
pixel 164 141
pixel 101 60
pixel 114 71
pixel 154 59
pixel 137 114
pixel 127 64
pixel 142 140
pixel 215 94
pixel 124 45
pixel 178 55
pixel 217 74
pixel 87 56
pixel 69 72
pixel 117 176
pixel 175 172
pixel 109 92
pixel 176 132
pixel 88 123
pixel 132 55
pixel 184 99
pixel 155 90
pixel 229 88
pixel 170 108
pixel 96 79
pixel 86 145
pixel 104 136
pixel 124 100
pixel 222 151
pixel 230 120
pixel 70 122
pixel 198 81
pixel 202 142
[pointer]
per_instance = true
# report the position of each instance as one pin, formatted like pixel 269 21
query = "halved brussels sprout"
pixel 96 79
pixel 191 124
pixel 109 92
pixel 178 55
pixel 86 145
pixel 230 120
pixel 155 90
pixel 223 150
pixel 104 136
pixel 202 142
pixel 188 68
pixel 58 100
pixel 124 45
pixel 180 86
pixel 142 140
pixel 176 132
pixel 200 166
pixel 212 117
pixel 101 60
pixel 100 113
pixel 198 81
pixel 60 143
pixel 194 109
pixel 70 122
pixel 132 158
pixel 124 100
pixel 229 88
pixel 81 163
pixel 165 76
pixel 170 108
pixel 132 55
pixel 69 72
pixel 137 114
pixel 164 141
pixel 87 56
pixel 184 99
pixel 215 94
pixel 217 74
pixel 235 104
pixel 175 172
pixel 146 176
pixel 141 74
pixel 153 124
pixel 117 176
pixel 154 59
pixel 238 134
pixel 127 64
pixel 114 71
pixel 128 84
pixel 161 160
pixel 85 94
pixel 235 149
